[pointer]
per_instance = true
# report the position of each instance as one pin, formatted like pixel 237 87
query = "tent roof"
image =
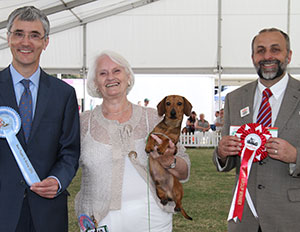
pixel 159 36
pixel 67 14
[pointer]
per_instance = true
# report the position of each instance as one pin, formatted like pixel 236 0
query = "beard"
pixel 277 71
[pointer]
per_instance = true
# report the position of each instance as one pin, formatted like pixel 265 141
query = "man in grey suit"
pixel 273 184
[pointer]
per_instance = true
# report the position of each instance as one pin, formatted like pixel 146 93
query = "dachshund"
pixel 168 187
pixel 173 107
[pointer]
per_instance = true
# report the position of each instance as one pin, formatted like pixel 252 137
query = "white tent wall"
pixel 65 50
pixel 242 20
pixel 170 34
pixel 164 34
pixel 5 60
pixel 295 34
pixel 199 90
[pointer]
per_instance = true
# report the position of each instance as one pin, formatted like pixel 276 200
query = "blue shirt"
pixel 19 88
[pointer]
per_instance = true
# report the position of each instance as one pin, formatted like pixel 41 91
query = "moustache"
pixel 269 62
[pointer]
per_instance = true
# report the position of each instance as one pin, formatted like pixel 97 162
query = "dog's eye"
pixel 168 103
pixel 179 103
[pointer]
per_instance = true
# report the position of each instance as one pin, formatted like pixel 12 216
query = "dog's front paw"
pixel 164 201
pixel 148 148
pixel 177 209
pixel 150 145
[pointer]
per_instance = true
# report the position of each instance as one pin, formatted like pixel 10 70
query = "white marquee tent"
pixel 199 37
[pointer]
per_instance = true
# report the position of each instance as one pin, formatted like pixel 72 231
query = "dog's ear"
pixel 187 107
pixel 161 109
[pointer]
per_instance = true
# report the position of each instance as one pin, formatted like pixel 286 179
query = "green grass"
pixel 207 196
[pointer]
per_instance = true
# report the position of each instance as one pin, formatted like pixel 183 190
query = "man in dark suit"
pixel 273 184
pixel 53 143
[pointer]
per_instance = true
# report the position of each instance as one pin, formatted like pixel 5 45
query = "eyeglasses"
pixel 19 35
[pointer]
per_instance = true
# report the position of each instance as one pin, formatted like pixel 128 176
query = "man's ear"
pixel 46 43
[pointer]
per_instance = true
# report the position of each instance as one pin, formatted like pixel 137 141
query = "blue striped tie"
pixel 25 107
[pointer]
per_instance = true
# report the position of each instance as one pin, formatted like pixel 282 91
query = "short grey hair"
pixel 30 14
pixel 118 59
pixel 273 29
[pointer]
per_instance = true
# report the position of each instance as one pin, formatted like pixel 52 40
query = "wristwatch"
pixel 173 165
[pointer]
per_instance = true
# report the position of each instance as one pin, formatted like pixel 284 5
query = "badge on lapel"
pixel 245 111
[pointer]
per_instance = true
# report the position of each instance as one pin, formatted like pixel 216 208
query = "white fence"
pixel 199 139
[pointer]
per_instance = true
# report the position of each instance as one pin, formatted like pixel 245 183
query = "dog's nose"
pixel 173 113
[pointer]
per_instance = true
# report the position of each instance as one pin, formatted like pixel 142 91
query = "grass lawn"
pixel 207 196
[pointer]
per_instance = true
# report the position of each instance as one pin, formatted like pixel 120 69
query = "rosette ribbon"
pixel 10 123
pixel 253 138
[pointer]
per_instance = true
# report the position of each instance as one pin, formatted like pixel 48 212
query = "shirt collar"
pixel 276 89
pixel 17 77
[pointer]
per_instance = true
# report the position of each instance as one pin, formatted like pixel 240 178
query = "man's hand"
pixel 46 188
pixel 229 146
pixel 282 150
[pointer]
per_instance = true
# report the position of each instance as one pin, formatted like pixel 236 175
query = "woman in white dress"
pixel 116 188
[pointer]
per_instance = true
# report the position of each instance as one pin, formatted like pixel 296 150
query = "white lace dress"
pixel 114 186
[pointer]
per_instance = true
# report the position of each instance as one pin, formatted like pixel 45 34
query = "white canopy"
pixel 159 36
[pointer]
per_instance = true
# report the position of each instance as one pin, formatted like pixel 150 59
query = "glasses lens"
pixel 17 35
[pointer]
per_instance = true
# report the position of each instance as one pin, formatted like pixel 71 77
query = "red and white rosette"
pixel 253 138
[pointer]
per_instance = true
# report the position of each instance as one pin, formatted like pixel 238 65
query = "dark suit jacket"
pixel 274 192
pixel 53 149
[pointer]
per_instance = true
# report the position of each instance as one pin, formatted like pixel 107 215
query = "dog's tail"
pixel 185 214
pixel 182 211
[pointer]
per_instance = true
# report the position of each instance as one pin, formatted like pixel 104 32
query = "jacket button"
pixel 261 162
pixel 260 186
pixel 22 182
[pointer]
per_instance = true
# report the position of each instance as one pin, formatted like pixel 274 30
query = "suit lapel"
pixel 8 97
pixel 42 102
pixel 247 100
pixel 289 102
pixel 7 91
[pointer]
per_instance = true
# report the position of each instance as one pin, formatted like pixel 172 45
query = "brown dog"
pixel 173 107
pixel 168 187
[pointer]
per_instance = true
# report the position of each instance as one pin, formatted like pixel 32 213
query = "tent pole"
pixel 288 17
pixel 219 66
pixel 84 68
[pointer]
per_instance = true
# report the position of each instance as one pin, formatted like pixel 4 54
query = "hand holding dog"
pixel 170 150
pixel 168 158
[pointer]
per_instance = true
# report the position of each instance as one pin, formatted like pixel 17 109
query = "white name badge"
pixel 272 130
pixel 99 229
pixel 245 111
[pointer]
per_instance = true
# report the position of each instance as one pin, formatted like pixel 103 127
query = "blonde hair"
pixel 118 59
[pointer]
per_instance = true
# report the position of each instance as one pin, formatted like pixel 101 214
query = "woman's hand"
pixel 181 169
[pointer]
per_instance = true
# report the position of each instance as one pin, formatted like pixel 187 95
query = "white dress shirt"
pixel 275 100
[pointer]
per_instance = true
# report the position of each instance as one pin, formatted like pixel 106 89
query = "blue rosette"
pixel 10 121
pixel 10 124
pixel 85 222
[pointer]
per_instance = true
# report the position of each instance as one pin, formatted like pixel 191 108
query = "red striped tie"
pixel 264 116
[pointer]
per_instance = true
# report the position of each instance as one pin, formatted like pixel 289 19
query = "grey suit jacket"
pixel 274 192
